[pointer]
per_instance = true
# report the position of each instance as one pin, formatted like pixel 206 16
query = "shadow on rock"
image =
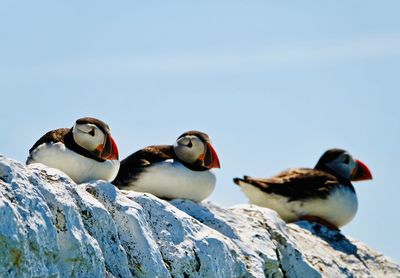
pixel 334 238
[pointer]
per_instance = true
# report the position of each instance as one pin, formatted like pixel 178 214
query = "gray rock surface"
pixel 51 227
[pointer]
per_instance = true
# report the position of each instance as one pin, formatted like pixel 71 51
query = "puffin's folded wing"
pixel 54 136
pixel 296 184
pixel 131 166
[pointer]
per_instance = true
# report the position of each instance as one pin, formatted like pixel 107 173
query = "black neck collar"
pixel 329 171
pixel 195 166
pixel 72 145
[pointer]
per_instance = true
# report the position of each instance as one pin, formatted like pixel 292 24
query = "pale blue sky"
pixel 274 85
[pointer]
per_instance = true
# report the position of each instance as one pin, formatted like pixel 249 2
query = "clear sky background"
pixel 273 83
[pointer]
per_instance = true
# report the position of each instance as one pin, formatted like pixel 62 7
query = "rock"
pixel 51 227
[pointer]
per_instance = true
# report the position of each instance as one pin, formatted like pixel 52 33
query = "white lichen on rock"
pixel 51 227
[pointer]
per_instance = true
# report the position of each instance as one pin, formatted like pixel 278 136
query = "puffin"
pixel 85 152
pixel 178 171
pixel 323 194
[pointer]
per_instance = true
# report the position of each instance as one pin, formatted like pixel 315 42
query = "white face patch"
pixel 189 148
pixel 88 136
pixel 343 165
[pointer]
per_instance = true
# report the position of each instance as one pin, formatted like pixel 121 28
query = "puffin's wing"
pixel 52 136
pixel 131 166
pixel 295 184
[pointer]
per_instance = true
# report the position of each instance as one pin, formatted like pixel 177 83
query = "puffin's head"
pixel 94 136
pixel 194 147
pixel 341 164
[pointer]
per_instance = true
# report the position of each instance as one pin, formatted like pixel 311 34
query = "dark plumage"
pixel 297 184
pixel 132 166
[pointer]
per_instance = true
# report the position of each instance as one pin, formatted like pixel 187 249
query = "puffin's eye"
pixel 347 160
pixel 92 132
pixel 190 144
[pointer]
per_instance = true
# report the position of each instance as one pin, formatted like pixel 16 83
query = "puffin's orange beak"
pixel 109 150
pixel 210 159
pixel 362 172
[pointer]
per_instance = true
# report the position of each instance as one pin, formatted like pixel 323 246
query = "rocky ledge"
pixel 51 227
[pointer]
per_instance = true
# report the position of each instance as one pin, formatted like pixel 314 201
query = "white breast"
pixel 79 168
pixel 172 180
pixel 339 208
